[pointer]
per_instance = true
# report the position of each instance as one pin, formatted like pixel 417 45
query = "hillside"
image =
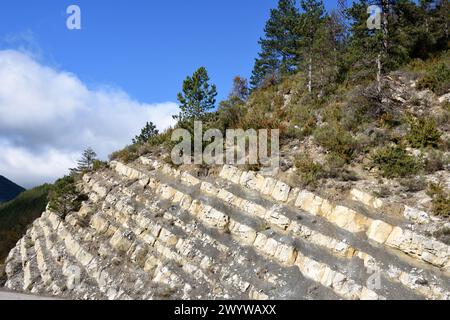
pixel 17 214
pixel 8 189
pixel 358 207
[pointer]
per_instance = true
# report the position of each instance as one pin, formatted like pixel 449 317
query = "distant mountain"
pixel 9 190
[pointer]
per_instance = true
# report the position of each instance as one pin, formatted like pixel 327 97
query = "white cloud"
pixel 47 117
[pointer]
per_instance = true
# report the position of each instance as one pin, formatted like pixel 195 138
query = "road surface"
pixel 10 295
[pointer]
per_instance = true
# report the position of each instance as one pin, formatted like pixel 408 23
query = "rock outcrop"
pixel 150 231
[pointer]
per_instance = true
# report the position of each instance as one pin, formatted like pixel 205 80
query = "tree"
pixel 311 20
pixel 147 132
pixel 86 163
pixel 278 54
pixel 64 197
pixel 240 89
pixel 198 96
pixel 325 50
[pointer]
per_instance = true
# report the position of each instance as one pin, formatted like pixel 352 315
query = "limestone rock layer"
pixel 149 231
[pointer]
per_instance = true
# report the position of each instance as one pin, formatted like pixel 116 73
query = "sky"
pixel 63 90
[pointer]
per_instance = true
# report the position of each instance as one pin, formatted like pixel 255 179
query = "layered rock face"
pixel 150 231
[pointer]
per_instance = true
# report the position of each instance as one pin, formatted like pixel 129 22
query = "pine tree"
pixel 326 50
pixel 311 20
pixel 278 54
pixel 86 163
pixel 198 96
pixel 364 52
pixel 147 132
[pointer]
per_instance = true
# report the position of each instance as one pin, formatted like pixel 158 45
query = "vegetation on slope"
pixel 18 214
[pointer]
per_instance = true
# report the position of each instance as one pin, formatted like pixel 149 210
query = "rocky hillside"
pixel 8 189
pixel 152 231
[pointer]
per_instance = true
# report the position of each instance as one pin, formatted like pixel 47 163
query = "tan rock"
pixel 281 191
pixel 309 202
pixel 190 179
pixel 244 233
pixel 120 242
pixel 99 223
pixel 379 231
pixel 268 186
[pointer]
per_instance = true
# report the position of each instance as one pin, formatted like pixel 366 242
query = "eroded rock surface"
pixel 150 231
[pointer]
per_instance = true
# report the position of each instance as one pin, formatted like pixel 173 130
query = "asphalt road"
pixel 9 295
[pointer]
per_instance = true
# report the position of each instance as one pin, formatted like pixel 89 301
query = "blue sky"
pixel 62 91
pixel 146 48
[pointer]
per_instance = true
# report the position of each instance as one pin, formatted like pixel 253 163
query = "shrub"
pixel 335 168
pixel 434 162
pixel 126 155
pixel 334 138
pixel 64 197
pixel 423 132
pixel 308 170
pixel 437 79
pixel 98 165
pixel 395 162
pixel 414 184
pixel 441 200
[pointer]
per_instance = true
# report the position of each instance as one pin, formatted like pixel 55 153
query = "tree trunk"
pixel 379 72
pixel 310 73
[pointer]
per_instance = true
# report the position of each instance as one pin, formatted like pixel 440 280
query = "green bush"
pixel 309 171
pixel 337 140
pixel 441 200
pixel 437 79
pixel 395 162
pixel 98 165
pixel 335 168
pixel 423 132
pixel 65 197
pixel 126 155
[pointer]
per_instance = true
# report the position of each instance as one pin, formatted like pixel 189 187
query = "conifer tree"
pixel 278 54
pixel 198 96
pixel 311 20
pixel 86 163
pixel 147 132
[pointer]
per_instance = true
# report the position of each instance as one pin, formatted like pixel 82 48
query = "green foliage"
pixel 127 154
pixel 437 79
pixel 309 171
pixel 278 54
pixel 230 113
pixel 441 200
pixel 64 196
pixel 395 162
pixel 198 96
pixel 423 132
pixel 86 163
pixel 17 214
pixel 336 139
pixel 148 132
pixel 98 165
